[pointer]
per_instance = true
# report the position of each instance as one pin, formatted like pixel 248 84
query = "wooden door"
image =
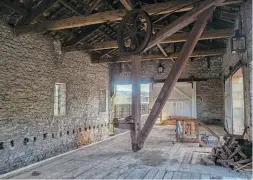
pixel 182 101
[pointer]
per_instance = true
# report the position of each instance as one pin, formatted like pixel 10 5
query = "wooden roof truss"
pixel 96 34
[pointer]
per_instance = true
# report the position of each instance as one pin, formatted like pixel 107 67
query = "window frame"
pixel 61 101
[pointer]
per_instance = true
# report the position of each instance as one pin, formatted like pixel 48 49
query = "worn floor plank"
pixel 138 173
pixel 195 176
pixel 151 173
pixel 186 175
pixel 160 174
pixel 113 159
pixel 168 175
pixel 205 176
pixel 177 175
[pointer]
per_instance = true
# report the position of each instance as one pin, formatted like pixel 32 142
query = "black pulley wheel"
pixel 134 32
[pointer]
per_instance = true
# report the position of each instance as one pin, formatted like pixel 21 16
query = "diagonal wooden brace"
pixel 182 22
pixel 174 74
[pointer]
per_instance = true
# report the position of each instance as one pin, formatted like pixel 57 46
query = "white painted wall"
pixel 182 101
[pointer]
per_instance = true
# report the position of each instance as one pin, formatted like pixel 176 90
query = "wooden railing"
pixel 184 124
pixel 208 129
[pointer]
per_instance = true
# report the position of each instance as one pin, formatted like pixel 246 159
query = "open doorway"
pixel 234 103
pixel 181 102
pixel 123 99
pixel 238 102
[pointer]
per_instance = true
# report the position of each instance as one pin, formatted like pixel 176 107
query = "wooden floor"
pixel 161 158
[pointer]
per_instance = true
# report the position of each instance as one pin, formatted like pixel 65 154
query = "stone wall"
pixel 29 69
pixel 209 93
pixel 230 59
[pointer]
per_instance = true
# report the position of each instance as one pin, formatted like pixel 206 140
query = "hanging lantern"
pixel 238 42
pixel 160 68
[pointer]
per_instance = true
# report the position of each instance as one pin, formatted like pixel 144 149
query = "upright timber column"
pixel 136 100
pixel 175 73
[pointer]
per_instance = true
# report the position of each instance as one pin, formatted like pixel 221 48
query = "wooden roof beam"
pixel 84 31
pixel 13 7
pixel 196 53
pixel 162 50
pixel 110 16
pixel 93 7
pixel 179 37
pixel 181 22
pixel 72 8
pixel 127 4
pixel 38 11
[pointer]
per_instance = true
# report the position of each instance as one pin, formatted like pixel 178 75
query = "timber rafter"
pixel 179 37
pixel 196 53
pixel 100 38
pixel 37 11
pixel 109 16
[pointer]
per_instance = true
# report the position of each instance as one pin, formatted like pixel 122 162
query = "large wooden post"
pixel 175 74
pixel 136 100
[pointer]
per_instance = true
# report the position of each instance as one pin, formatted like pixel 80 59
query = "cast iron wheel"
pixel 134 32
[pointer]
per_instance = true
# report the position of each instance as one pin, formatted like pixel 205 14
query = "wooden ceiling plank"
pixel 107 16
pixel 106 34
pixel 230 14
pixel 71 7
pixel 209 34
pixel 229 2
pixel 127 4
pixel 196 53
pixel 93 7
pixel 13 7
pixel 25 13
pixel 84 32
pixel 224 18
pixel 87 31
pixel 179 37
pixel 162 50
pixel 181 22
pixel 38 11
